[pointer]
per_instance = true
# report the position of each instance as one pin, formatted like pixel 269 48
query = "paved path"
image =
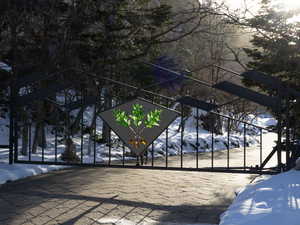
pixel 118 196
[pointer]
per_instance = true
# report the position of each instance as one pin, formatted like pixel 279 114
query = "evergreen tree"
pixel 275 51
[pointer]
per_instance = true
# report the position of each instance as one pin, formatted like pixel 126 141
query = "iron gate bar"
pixel 29 142
pixel 123 156
pixel 167 134
pixel 197 138
pixel 260 148
pixel 212 145
pixel 152 145
pixel 268 157
pixel 178 74
pixel 81 130
pixel 11 133
pixel 43 143
pixel 248 94
pixel 55 144
pixel 127 85
pixel 109 147
pixel 152 155
pixel 244 146
pixel 4 146
pixel 228 141
pixel 16 141
pixel 287 134
pixel 250 170
pixel 181 137
pixel 95 111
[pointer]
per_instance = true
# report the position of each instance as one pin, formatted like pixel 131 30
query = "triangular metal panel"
pixel 149 134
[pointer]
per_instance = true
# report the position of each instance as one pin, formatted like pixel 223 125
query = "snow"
pixel 271 200
pixel 263 120
pixel 19 171
pixel 4 66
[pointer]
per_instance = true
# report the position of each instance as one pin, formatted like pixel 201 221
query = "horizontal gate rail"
pixel 249 170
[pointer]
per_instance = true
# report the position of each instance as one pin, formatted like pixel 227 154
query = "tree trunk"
pixel 37 133
pixel 76 124
pixel 39 137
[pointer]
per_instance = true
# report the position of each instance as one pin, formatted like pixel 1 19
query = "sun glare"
pixel 289 4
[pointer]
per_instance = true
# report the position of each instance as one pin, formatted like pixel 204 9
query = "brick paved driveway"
pixel 118 196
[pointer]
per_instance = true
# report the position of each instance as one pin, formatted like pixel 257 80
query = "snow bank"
pixel 273 200
pixel 263 120
pixel 19 171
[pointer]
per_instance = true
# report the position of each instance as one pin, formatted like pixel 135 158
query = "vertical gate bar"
pixel 123 157
pixel 287 146
pixel 293 141
pixel 152 146
pixel 181 138
pixel 43 142
pixel 55 144
pixel 260 148
pixel 81 130
pixel 11 130
pixel 212 145
pixel 228 141
pixel 29 141
pixel 279 141
pixel 287 137
pixel 66 123
pixel 167 136
pixel 197 140
pixel 152 154
pixel 109 147
pixel 95 133
pixel 16 140
pixel 244 146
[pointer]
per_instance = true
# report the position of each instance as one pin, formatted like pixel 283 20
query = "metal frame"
pixel 255 169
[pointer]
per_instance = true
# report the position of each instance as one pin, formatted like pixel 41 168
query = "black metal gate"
pixel 190 153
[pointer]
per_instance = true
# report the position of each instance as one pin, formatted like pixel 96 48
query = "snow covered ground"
pixel 270 200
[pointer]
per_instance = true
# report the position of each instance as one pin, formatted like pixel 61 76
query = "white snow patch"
pixel 4 66
pixel 272 200
pixel 19 171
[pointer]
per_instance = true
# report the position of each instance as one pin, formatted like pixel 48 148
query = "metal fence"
pixel 113 153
